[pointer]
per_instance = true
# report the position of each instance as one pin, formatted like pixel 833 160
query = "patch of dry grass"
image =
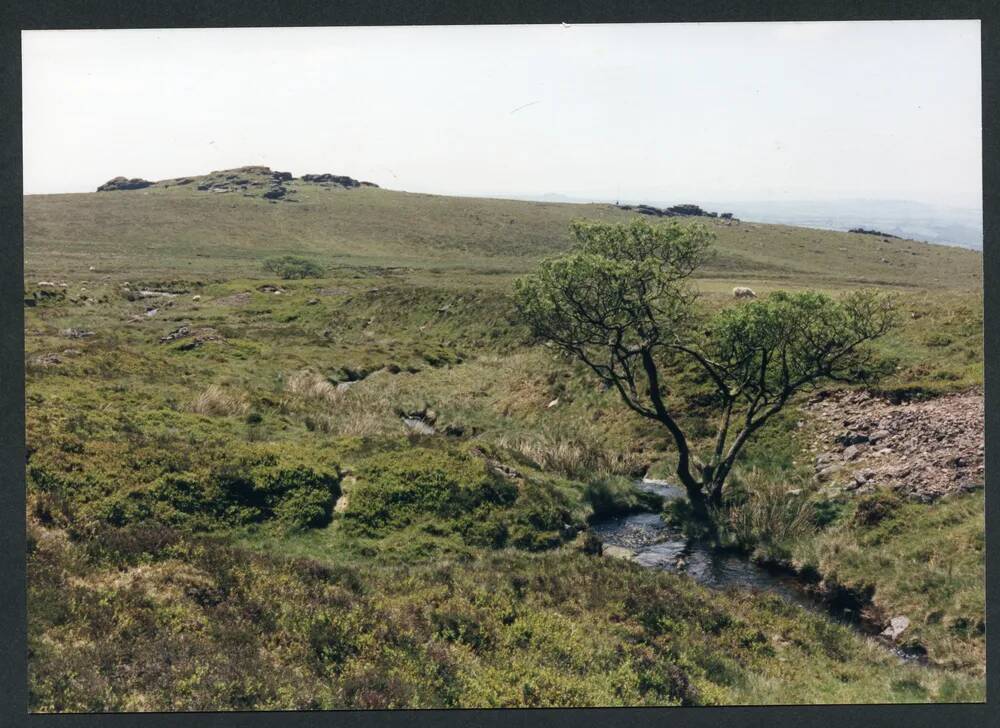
pixel 216 401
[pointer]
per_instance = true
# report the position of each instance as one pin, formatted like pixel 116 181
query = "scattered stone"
pixel 937 445
pixel 852 438
pixel 179 333
pixel 878 436
pixel 826 474
pixel 154 293
pixel 77 333
pixel 45 360
pixel 312 301
pixel 335 179
pixel 897 625
pixel 341 505
pixel 852 452
pixel 418 426
pixel 552 404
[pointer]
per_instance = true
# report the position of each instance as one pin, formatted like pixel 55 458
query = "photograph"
pixel 558 365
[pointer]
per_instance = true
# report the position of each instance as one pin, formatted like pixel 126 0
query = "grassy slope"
pixel 183 232
pixel 433 301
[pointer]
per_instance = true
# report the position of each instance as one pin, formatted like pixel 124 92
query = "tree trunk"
pixel 699 504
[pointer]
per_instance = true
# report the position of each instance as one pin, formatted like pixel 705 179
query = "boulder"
pixel 335 179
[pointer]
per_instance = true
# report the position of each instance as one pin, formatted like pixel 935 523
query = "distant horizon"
pixel 568 197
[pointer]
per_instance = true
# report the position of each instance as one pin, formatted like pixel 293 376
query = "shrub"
pixel 874 508
pixel 293 267
pixel 394 488
pixel 615 496
pixel 261 483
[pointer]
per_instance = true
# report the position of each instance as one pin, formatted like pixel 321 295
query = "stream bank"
pixel 651 542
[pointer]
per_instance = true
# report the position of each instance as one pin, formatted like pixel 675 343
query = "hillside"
pixel 178 229
pixel 373 488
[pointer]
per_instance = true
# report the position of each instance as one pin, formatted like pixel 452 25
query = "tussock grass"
pixel 216 401
pixel 309 384
pixel 575 455
pixel 366 409
pixel 766 510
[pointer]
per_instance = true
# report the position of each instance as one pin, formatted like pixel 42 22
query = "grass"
pixel 177 226
pixel 182 491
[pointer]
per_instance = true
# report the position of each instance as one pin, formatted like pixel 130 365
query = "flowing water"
pixel 658 545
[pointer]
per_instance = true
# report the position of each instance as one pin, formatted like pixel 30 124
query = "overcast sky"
pixel 687 112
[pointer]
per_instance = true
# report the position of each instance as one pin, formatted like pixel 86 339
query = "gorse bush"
pixel 292 267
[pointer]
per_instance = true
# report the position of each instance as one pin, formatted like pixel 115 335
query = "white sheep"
pixel 743 292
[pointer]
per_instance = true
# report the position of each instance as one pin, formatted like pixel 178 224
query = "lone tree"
pixel 620 301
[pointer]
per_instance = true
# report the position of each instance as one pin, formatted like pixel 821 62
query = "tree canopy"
pixel 621 301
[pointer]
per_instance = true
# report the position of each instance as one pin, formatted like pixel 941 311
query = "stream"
pixel 658 545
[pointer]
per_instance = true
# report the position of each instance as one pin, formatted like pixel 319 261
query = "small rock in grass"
pixel 897 625
pixel 617 552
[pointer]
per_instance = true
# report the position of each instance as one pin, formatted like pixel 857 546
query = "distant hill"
pixel 938 224
pixel 919 221
pixel 225 224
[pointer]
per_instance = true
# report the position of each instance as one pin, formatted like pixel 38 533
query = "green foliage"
pixel 191 618
pixel 614 496
pixel 233 486
pixel 765 346
pixel 621 303
pixel 395 488
pixel 453 494
pixel 624 280
pixel 291 267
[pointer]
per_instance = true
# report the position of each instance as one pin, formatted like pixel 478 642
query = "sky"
pixel 687 112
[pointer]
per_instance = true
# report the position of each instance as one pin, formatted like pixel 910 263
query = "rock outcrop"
pixel 123 183
pixel 338 180
pixel 251 181
pixel 685 210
